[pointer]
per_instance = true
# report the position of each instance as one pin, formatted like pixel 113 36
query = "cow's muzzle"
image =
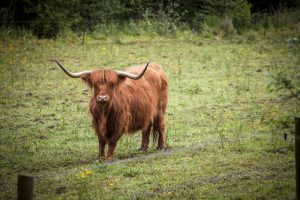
pixel 103 99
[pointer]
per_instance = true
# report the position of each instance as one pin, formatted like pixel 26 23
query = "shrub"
pixel 241 14
pixel 285 82
pixel 48 30
pixel 48 18
pixel 165 23
pixel 227 27
pixel 212 20
pixel 227 14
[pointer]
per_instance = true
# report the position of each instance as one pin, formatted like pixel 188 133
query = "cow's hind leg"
pixel 159 126
pixel 145 138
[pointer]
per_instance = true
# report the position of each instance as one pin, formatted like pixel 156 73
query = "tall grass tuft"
pixel 227 27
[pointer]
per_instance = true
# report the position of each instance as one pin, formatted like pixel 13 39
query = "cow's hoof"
pixel 110 159
pixel 101 158
pixel 143 148
pixel 161 148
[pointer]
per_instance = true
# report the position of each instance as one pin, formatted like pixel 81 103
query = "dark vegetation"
pixel 46 19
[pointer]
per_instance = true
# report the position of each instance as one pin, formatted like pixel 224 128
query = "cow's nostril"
pixel 102 98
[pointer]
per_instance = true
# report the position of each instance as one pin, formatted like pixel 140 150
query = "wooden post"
pixel 297 156
pixel 83 34
pixel 25 187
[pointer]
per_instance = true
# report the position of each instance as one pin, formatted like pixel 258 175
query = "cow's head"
pixel 103 81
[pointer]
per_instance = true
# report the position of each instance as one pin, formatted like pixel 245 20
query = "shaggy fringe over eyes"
pixel 100 76
pixel 86 79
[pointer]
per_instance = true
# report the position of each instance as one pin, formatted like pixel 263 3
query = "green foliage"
pixel 287 83
pixel 223 17
pixel 212 20
pixel 49 18
pixel 46 19
pixel 227 27
pixel 277 20
pixel 166 23
pixel 240 14
pixel 48 30
pixel 86 15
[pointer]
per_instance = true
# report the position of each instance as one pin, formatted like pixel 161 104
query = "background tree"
pixel 46 18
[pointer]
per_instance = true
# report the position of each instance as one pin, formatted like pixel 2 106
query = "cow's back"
pixel 154 76
pixel 146 97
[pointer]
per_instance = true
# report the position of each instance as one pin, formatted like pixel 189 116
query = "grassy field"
pixel 228 135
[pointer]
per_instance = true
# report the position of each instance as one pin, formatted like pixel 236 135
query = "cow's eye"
pixel 110 85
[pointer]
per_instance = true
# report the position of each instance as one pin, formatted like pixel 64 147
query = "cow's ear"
pixel 120 78
pixel 86 78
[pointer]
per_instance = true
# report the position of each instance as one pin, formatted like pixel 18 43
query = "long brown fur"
pixel 134 105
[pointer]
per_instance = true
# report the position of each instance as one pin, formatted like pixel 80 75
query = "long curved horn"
pixel 73 75
pixel 132 76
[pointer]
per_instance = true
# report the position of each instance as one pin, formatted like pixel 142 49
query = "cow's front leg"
pixel 112 143
pixel 111 150
pixel 102 144
pixel 101 141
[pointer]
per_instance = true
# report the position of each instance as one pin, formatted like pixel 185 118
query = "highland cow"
pixel 125 102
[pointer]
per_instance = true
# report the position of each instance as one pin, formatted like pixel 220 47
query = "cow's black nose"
pixel 102 98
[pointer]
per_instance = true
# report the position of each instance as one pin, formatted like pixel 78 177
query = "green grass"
pixel 225 129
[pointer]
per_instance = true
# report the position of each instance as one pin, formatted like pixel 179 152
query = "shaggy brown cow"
pixel 125 102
